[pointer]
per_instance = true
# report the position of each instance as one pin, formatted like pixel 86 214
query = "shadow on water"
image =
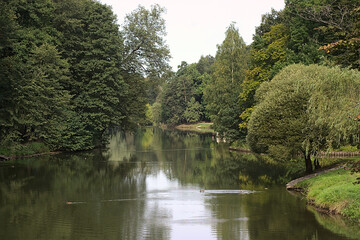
pixel 337 224
pixel 146 185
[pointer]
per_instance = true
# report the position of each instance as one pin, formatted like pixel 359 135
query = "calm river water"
pixel 147 186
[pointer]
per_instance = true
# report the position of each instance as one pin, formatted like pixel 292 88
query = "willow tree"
pixel 222 91
pixel 306 109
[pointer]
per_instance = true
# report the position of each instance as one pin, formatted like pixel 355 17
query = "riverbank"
pixel 7 158
pixel 33 149
pixel 332 191
pixel 201 127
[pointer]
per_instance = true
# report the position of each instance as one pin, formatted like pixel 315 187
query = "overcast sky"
pixel 195 27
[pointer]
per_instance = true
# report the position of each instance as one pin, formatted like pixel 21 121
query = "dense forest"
pixel 69 74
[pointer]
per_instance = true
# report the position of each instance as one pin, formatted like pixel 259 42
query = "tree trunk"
pixel 308 163
pixel 316 161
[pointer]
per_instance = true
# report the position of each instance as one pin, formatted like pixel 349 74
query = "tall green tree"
pixel 177 93
pixel 305 109
pixel 268 55
pixel 92 44
pixel 33 70
pixel 9 73
pixel 145 50
pixel 222 91
pixel 337 24
pixel 146 56
pixel 193 111
pixel 182 98
pixel 42 101
pixel 282 38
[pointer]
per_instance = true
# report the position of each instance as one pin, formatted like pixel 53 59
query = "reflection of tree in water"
pixel 337 224
pixel 197 159
pixel 106 198
pixel 216 167
pixel 262 216
pixel 110 190
pixel 244 216
pixel 120 146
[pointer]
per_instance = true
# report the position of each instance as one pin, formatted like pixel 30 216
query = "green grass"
pixel 335 191
pixel 24 149
pixel 203 127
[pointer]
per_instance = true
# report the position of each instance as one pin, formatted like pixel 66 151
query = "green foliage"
pixel 224 86
pixel 144 47
pixel 355 169
pixel 283 38
pixel 97 86
pixel 305 109
pixel 182 97
pixel 337 24
pixel 245 117
pixel 267 57
pixel 67 70
pixel 268 49
pixel 177 92
pixel 335 191
pixel 153 86
pixel 34 72
pixel 204 64
pixel 156 112
pixel 193 111
pixel 149 116
pixel 10 68
pixel 347 148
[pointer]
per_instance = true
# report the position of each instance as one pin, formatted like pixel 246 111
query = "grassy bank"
pixel 334 192
pixel 202 127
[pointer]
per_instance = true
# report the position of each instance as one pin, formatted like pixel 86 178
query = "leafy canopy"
pixel 223 89
pixel 306 109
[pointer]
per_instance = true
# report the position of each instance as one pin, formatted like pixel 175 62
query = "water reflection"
pixel 337 224
pixel 147 186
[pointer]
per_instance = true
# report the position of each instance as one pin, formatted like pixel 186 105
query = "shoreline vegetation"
pixel 200 127
pixel 7 158
pixel 331 190
pixel 32 149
